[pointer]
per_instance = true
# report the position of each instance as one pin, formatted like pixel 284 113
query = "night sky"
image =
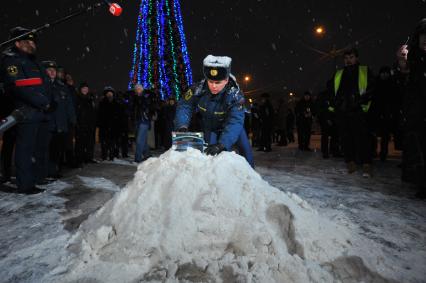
pixel 272 41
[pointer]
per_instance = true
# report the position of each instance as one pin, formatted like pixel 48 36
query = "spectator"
pixel 86 113
pixel 304 121
pixel 143 111
pixel 412 62
pixel 109 124
pixel 266 117
pixel 281 122
pixel 350 100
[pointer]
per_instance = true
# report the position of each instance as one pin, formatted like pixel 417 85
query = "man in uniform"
pixel 220 102
pixel 24 80
pixel 61 118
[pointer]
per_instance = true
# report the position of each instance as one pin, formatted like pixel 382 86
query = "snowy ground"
pixel 382 211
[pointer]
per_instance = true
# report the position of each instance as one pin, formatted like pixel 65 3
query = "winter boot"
pixel 351 167
pixel 366 170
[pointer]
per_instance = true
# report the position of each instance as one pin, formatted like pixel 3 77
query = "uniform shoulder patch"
pixel 12 70
pixel 188 95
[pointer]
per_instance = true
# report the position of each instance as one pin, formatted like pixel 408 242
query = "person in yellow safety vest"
pixel 350 100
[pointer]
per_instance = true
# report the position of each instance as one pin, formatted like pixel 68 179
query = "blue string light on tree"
pixel 160 56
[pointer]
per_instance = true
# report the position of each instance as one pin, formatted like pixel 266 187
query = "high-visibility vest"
pixel 362 85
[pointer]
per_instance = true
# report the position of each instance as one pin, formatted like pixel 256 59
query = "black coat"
pixel 143 107
pixel 86 111
pixel 266 114
pixel 304 111
pixel 415 93
pixel 109 115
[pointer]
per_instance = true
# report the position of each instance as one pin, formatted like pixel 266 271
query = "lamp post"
pixel 247 79
pixel 319 30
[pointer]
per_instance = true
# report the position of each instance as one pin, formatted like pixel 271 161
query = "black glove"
pixel 183 129
pixel 214 149
pixel 51 107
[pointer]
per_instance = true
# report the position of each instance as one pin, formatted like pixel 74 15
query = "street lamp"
pixel 247 79
pixel 319 30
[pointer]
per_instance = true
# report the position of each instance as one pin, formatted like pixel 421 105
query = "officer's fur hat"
pixel 217 68
pixel 49 64
pixel 17 31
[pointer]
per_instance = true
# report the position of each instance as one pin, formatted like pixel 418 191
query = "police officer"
pixel 61 118
pixel 220 102
pixel 24 79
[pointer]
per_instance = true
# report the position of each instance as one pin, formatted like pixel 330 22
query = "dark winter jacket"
pixel 222 113
pixel 86 111
pixel 25 81
pixel 64 114
pixel 266 114
pixel 348 98
pixel 109 118
pixel 415 92
pixel 304 111
pixel 281 116
pixel 143 107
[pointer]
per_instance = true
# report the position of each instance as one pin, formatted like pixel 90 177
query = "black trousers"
pixel 356 137
pixel 282 137
pixel 329 139
pixel 266 137
pixel 84 144
pixel 9 138
pixel 109 143
pixel 304 128
pixel 31 153
pixel 413 158
pixel 124 143
pixel 70 149
pixel 167 136
pixel 57 150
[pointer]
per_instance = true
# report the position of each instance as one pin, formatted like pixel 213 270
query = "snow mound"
pixel 188 217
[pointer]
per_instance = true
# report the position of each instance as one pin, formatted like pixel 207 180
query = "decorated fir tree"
pixel 160 56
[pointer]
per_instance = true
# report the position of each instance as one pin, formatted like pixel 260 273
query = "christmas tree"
pixel 160 56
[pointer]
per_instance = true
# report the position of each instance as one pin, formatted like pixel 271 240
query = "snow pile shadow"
pixel 188 217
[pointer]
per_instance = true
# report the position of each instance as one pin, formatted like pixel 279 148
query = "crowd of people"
pixel 355 108
pixel 63 122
